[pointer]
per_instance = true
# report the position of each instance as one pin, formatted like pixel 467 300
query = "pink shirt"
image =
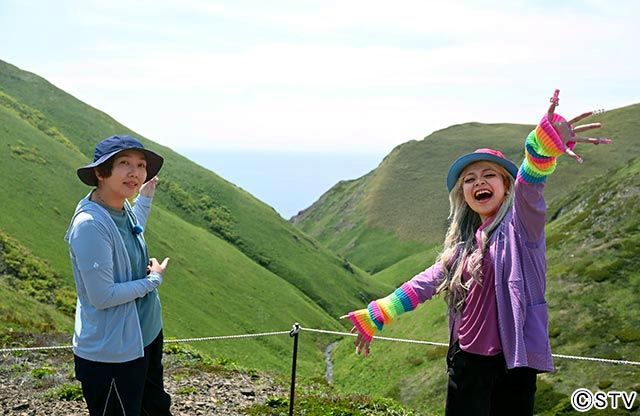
pixel 478 327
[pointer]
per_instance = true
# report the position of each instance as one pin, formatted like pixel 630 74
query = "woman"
pixel 117 341
pixel 492 272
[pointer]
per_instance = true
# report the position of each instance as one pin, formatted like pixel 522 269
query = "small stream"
pixel 327 360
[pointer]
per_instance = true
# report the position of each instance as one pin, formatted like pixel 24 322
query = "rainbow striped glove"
pixel 382 311
pixel 542 147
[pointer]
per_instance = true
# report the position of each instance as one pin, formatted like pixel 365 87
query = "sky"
pixel 282 82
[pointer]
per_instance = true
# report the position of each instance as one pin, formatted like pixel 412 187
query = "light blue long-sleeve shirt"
pixel 149 308
pixel 107 327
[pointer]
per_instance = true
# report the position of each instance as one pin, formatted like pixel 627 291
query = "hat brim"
pixel 154 163
pixel 463 161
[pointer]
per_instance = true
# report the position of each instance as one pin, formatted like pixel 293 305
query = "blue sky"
pixel 324 77
pixel 288 181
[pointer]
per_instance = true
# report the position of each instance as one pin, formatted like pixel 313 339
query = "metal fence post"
pixel 294 333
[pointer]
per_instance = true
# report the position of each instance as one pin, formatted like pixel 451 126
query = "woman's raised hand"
pixel 154 266
pixel 568 131
pixel 362 342
pixel 149 188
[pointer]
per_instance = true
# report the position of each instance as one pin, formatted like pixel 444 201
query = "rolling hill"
pixel 392 220
pixel 237 266
pixel 593 280
pixel 400 208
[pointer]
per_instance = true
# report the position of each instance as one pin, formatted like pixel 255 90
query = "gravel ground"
pixel 33 384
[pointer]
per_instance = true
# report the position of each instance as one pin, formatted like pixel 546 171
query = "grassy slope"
pixel 398 273
pixel 400 208
pixel 212 288
pixel 340 220
pixel 258 230
pixel 19 312
pixel 593 281
pixel 35 297
pixel 262 275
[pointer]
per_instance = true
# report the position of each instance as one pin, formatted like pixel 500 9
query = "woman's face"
pixel 484 188
pixel 127 176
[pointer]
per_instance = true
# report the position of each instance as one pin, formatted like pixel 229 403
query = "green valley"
pixel 400 208
pixel 593 282
pixel 237 267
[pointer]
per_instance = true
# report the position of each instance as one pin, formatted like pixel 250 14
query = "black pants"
pixel 480 385
pixel 132 388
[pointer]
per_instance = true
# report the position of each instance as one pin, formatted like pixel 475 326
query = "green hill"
pixel 237 266
pixel 400 208
pixel 593 279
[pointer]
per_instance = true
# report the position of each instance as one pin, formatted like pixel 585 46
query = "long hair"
pixel 461 250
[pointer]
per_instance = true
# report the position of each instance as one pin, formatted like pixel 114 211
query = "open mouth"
pixel 483 195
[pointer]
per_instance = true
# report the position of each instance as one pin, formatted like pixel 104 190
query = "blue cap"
pixel 488 155
pixel 113 145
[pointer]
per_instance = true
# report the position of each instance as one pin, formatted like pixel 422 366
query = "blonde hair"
pixel 461 250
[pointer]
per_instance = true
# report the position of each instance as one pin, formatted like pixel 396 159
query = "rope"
pixel 263 334
pixel 441 344
pixel 166 341
pixel 409 341
pixel 600 360
pixel 22 349
pixel 322 331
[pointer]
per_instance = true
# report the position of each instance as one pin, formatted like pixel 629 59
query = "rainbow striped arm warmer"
pixel 382 311
pixel 542 147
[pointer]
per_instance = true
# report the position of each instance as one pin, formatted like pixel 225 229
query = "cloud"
pixel 334 75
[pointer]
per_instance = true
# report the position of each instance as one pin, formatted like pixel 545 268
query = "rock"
pixel 248 392
pixel 21 406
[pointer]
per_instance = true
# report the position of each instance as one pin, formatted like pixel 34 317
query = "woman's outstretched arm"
pixel 381 312
pixel 552 137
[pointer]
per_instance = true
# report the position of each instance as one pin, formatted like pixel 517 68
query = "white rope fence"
pixel 25 349
pixel 441 344
pixel 600 360
pixel 263 334
pixel 166 341
pixel 410 341
pixel 321 331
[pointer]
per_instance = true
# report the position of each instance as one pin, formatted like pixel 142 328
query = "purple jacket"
pixel 518 248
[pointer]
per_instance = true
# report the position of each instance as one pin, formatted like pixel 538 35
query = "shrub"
pixel 347 266
pixel 323 405
pixel 33 277
pixel 28 154
pixel 36 119
pixel 216 216
pixel 221 221
pixel 187 390
pixel 41 372
pixel 628 334
pixel 605 384
pixel 547 397
pixel 68 392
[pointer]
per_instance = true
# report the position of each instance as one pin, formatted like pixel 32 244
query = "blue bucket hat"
pixel 488 155
pixel 113 145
